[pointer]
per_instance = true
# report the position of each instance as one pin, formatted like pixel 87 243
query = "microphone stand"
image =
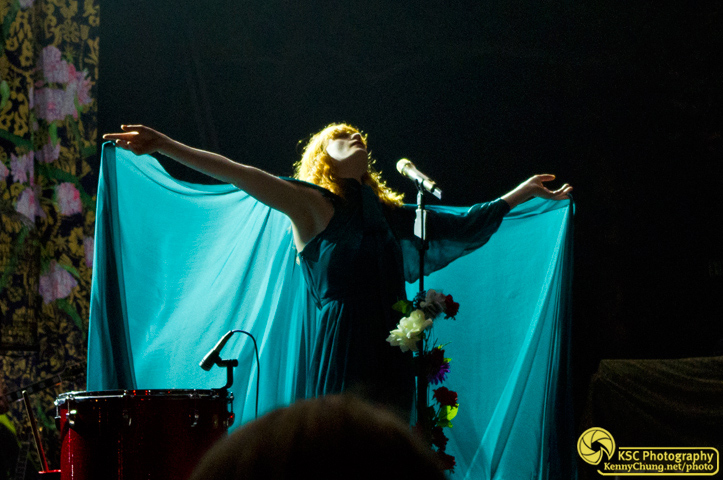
pixel 223 391
pixel 420 230
pixel 229 364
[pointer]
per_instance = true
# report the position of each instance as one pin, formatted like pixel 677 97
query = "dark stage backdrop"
pixel 621 99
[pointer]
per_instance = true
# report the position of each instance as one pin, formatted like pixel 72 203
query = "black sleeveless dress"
pixel 355 271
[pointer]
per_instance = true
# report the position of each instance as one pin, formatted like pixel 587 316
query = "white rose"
pixel 409 331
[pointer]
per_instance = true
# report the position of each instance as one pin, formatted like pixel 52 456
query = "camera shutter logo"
pixel 593 443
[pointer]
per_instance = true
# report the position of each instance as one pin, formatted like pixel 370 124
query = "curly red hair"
pixel 316 166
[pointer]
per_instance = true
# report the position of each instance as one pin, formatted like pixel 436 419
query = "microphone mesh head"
pixel 402 164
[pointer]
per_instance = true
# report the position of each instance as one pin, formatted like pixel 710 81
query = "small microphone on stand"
pixel 407 168
pixel 213 356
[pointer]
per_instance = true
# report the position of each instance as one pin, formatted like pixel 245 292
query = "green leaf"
pixel 9 19
pixel 58 174
pixel 12 264
pixel 70 269
pixel 69 308
pixel 76 132
pixel 89 151
pixel 4 93
pixel 451 411
pixel 444 424
pixel 404 306
pixel 446 414
pixel 53 132
pixel 44 263
pixel 19 141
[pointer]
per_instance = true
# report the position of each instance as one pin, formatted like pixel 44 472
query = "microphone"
pixel 212 356
pixel 407 168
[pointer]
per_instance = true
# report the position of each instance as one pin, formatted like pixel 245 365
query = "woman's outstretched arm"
pixel 308 210
pixel 534 187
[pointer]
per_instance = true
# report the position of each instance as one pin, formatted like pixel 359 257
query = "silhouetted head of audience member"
pixel 332 437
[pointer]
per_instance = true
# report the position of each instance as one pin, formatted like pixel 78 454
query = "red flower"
pixel 448 462
pixel 450 307
pixel 439 439
pixel 446 396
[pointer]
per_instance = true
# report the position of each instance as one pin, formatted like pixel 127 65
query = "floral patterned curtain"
pixel 48 135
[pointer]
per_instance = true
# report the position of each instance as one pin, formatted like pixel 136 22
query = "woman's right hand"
pixel 138 139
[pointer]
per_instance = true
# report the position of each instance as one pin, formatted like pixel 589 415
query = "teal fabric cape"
pixel 177 265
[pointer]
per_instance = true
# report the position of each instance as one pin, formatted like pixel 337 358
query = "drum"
pixel 134 434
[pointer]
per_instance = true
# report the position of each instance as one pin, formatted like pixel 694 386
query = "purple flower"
pixel 89 246
pixel 49 103
pixel 82 87
pixel 49 153
pixel 55 104
pixel 54 68
pixel 67 106
pixel 4 172
pixel 68 199
pixel 23 167
pixel 56 283
pixel 26 3
pixel 27 205
pixel 440 375
pixel 437 366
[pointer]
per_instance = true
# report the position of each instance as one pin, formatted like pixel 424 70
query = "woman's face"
pixel 349 153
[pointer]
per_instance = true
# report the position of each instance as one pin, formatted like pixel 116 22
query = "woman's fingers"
pixel 129 132
pixel 561 189
pixel 562 192
pixel 119 136
pixel 130 136
pixel 545 177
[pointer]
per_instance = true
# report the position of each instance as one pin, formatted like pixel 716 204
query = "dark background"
pixel 621 99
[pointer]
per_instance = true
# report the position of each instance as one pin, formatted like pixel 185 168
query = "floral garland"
pixel 413 331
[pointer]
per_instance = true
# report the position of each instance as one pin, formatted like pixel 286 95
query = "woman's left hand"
pixel 535 187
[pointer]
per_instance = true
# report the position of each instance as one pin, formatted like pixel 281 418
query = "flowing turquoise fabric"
pixel 177 265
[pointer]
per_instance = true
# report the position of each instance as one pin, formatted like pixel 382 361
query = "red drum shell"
pixel 138 434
